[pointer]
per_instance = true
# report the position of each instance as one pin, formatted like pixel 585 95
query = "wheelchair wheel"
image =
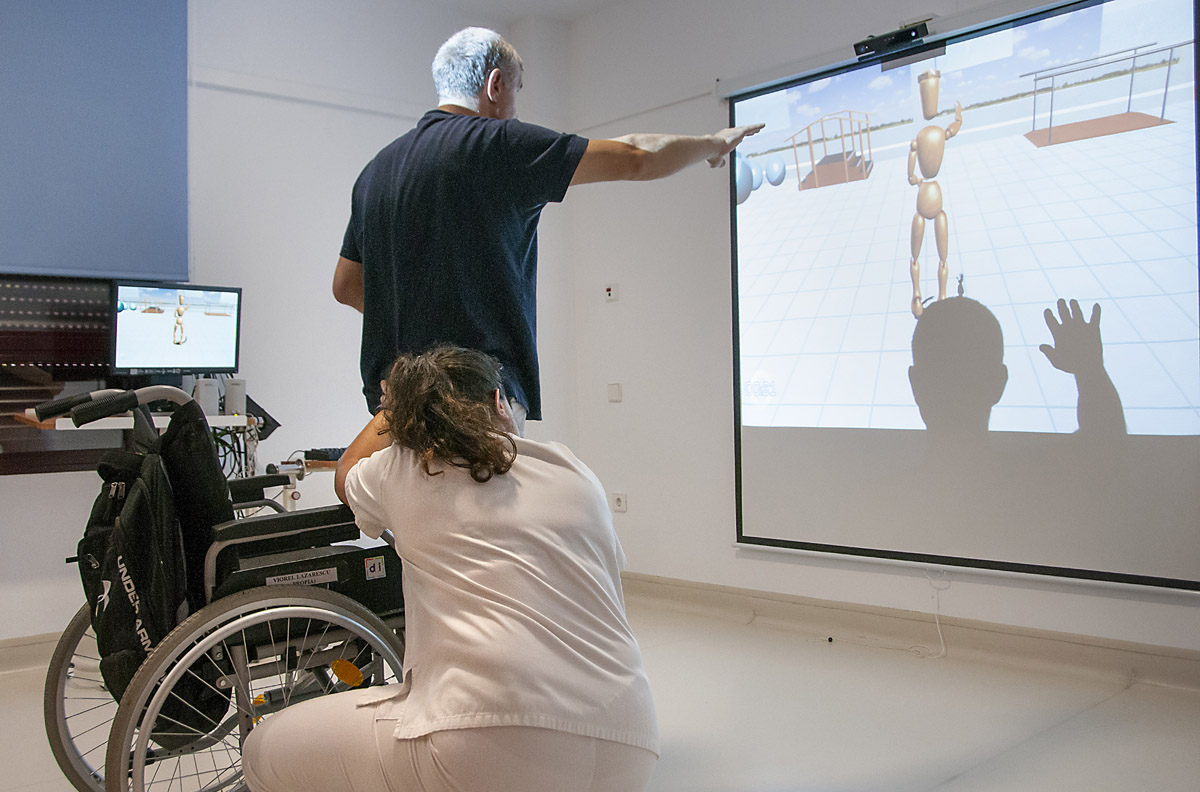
pixel 77 707
pixel 193 701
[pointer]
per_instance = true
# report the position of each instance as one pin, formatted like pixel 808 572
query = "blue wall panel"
pixel 93 138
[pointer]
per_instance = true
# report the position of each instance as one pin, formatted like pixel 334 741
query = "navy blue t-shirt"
pixel 444 222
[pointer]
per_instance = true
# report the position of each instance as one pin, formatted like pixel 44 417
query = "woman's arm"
pixel 374 437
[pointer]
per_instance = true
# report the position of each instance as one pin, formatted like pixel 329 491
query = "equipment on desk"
pixel 324 454
pixel 207 396
pixel 235 397
pixel 266 423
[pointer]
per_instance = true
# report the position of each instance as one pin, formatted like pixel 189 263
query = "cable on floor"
pixel 938 585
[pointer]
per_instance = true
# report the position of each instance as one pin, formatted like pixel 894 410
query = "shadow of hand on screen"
pixel 1077 350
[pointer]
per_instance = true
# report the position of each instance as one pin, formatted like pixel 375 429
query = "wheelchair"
pixel 287 614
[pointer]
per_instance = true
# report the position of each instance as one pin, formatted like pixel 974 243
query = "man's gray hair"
pixel 463 63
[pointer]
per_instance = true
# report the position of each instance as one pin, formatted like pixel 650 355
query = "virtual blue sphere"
pixel 743 179
pixel 757 172
pixel 776 170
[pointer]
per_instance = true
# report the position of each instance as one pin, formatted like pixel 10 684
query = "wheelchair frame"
pixel 231 647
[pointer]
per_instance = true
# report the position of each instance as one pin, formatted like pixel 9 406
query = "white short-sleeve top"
pixel 513 604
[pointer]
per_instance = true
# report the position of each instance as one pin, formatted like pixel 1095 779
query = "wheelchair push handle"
pixel 103 407
pixel 122 401
pixel 57 407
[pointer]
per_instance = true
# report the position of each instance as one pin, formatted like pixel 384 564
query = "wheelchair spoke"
pixel 287 638
pixel 319 642
pixel 77 735
pixel 98 746
pixel 154 778
pixel 195 766
pixel 104 703
pixel 90 698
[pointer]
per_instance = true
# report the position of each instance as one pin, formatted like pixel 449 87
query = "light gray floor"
pixel 768 708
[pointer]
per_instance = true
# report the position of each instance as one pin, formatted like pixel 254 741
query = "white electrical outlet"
pixel 618 501
pixel 610 292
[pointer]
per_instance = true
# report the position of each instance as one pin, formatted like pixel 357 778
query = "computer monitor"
pixel 175 328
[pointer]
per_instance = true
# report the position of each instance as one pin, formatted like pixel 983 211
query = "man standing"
pixel 442 241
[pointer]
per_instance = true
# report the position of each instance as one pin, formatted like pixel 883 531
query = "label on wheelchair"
pixel 309 578
pixel 375 568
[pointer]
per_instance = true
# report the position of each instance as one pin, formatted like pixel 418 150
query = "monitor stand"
pixel 134 381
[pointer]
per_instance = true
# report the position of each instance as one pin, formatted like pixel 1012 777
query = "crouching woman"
pixel 521 671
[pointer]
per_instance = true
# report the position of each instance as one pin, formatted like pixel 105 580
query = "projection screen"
pixel 965 300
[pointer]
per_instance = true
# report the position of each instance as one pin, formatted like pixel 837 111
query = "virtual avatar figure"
pixel 177 336
pixel 926 153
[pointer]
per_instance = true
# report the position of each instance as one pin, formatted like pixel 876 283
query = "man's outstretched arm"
pixel 348 283
pixel 643 157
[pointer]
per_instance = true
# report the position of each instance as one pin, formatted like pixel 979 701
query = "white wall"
pixel 42 519
pixel 651 66
pixel 289 100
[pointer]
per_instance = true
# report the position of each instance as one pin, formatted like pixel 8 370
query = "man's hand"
pixel 731 138
pixel 1077 347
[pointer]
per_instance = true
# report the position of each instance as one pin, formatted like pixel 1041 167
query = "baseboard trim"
pixel 26 652
pixel 913 631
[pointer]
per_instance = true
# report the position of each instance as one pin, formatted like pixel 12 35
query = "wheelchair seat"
pixel 299 548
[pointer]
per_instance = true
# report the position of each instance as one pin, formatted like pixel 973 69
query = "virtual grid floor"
pixel 825 290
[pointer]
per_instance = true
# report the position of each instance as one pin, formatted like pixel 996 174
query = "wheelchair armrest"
pixel 252 487
pixel 286 530
pixel 265 525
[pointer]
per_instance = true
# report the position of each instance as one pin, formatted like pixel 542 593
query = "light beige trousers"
pixel 330 744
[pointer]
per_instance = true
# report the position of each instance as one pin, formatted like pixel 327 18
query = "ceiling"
pixel 514 10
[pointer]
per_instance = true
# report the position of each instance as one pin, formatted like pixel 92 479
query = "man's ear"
pixel 494 85
pixel 500 403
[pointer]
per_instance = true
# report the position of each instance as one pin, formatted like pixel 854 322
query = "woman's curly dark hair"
pixel 440 404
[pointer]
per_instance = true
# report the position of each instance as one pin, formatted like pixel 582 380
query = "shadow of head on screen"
pixel 958 372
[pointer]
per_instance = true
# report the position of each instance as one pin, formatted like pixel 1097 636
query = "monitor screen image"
pixel 967 323
pixel 175 328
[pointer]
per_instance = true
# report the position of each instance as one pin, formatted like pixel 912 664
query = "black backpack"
pixel 131 564
pixel 143 546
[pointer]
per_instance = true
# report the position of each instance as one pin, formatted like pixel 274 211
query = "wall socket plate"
pixel 618 501
pixel 611 293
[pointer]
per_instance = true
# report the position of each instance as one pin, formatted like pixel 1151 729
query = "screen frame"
pixel 116 370
pixel 925 48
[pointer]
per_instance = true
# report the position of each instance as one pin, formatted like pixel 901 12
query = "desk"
pixel 236 436
pixel 126 422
